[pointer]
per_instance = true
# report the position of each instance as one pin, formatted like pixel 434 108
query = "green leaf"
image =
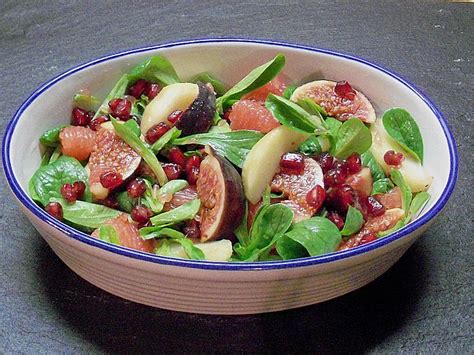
pixel 233 145
pixel 403 128
pixel 169 136
pixel 132 125
pixel 291 115
pixel 352 137
pixel 86 214
pixel 312 108
pixel 369 161
pixel 353 223
pixel 165 194
pixel 138 146
pixel 182 213
pixel 205 77
pixel 382 186
pixel 150 199
pixel 310 146
pixel 191 251
pixel 55 155
pixel 288 249
pixel 398 180
pixel 50 138
pixel 126 203
pixel 156 69
pixel 168 247
pixel 418 202
pixel 86 102
pixel 241 232
pixel 118 91
pixel 107 233
pixel 47 181
pixel 290 89
pixel 333 126
pixel 254 80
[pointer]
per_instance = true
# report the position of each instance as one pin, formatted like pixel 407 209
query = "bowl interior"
pixel 229 61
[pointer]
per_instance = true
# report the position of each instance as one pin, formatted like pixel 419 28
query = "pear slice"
pixel 219 250
pixel 411 169
pixel 263 160
pixel 171 98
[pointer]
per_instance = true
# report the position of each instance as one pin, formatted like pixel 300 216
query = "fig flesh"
pixel 198 117
pixel 219 187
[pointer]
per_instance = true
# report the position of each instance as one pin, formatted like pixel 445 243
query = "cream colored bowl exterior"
pixel 224 291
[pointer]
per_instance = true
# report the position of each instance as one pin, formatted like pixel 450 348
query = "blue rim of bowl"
pixel 240 266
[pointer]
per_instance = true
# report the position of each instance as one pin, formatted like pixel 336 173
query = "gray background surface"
pixel 423 304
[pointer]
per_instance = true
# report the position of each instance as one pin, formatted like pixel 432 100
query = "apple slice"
pixel 263 160
pixel 411 169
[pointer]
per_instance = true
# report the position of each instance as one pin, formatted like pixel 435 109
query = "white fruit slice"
pixel 413 172
pixel 219 250
pixel 171 98
pixel 263 160
pixel 322 92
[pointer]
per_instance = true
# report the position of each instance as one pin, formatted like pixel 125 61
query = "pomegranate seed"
pixel 326 161
pixel 393 158
pixel 120 108
pixel 369 237
pixel 137 89
pixel 191 229
pixel 80 117
pixel 226 115
pixel 192 175
pixel 340 198
pixel 55 209
pixel 172 171
pixel 336 218
pixel 176 156
pixel 136 188
pixel 342 165
pixel 68 192
pixel 193 161
pixel 354 164
pixel 79 188
pixel 315 197
pixel 110 180
pixel 344 89
pixel 141 214
pixel 96 122
pixel 110 201
pixel 175 116
pixel 292 164
pixel 152 90
pixel 155 132
pixel 334 177
pixel 374 207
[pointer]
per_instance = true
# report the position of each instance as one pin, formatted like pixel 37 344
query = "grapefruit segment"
pixel 252 115
pixel 391 199
pixel 322 92
pixel 77 142
pixel 275 86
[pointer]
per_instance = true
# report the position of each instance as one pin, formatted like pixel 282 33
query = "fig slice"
pixel 198 117
pixel 219 188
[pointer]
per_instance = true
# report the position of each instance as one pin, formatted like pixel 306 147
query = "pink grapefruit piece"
pixel 252 115
pixel 77 142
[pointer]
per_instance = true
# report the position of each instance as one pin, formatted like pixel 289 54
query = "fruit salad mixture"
pixel 263 170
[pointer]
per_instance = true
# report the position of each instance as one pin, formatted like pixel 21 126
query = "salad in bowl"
pixel 261 170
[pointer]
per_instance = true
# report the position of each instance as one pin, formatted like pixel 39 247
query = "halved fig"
pixel 198 117
pixel 171 98
pixel 219 187
pixel 324 94
pixel 411 169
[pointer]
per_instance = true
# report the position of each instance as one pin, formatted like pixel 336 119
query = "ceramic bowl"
pixel 216 287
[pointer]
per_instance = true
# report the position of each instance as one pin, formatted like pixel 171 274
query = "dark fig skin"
pixel 229 211
pixel 198 117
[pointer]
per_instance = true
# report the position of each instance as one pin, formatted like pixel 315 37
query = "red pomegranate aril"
pixel 344 89
pixel 393 158
pixel 136 188
pixel 226 115
pixel 172 171
pixel 193 161
pixel 68 193
pixel 137 89
pixel 55 209
pixel 292 164
pixel 156 132
pixel 192 175
pixel 334 177
pixel 177 156
pixel 369 237
pixel 336 218
pixel 374 207
pixel 110 180
pixel 110 201
pixel 120 108
pixel 80 117
pixel 152 90
pixel 341 165
pixel 315 197
pixel 341 198
pixel 353 163
pixel 141 214
pixel 326 161
pixel 175 116
pixel 191 229
pixel 96 122
pixel 79 187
